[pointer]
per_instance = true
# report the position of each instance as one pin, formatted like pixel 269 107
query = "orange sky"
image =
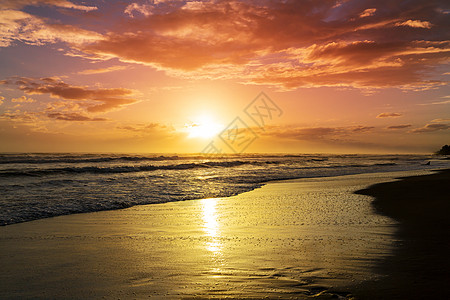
pixel 168 75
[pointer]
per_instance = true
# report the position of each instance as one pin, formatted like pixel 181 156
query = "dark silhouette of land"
pixel 420 266
pixel 445 150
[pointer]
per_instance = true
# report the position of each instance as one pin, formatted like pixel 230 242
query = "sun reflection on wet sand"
pixel 211 225
pixel 293 239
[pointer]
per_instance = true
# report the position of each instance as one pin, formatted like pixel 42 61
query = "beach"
pixel 305 238
pixel 419 267
pixel 200 149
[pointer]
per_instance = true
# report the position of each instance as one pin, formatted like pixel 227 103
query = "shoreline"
pixel 258 185
pixel 308 238
pixel 419 267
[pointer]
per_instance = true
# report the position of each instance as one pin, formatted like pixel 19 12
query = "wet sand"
pixel 420 266
pixel 308 238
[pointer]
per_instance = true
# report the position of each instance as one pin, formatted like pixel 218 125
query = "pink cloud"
pixel 288 44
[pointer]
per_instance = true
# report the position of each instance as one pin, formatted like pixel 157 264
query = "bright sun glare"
pixel 203 127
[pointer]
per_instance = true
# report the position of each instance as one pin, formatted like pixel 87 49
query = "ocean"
pixel 36 186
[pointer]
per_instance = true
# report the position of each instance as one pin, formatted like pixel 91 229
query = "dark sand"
pixel 420 266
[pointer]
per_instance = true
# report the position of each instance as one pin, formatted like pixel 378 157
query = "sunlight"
pixel 209 217
pixel 203 127
pixel 211 225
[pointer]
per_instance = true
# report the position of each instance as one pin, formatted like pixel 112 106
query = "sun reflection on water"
pixel 211 225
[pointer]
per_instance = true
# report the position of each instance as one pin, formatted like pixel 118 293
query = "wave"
pixel 77 160
pixel 128 169
pixel 73 183
pixel 385 164
pixel 148 168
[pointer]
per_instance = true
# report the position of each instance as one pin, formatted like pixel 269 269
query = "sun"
pixel 203 127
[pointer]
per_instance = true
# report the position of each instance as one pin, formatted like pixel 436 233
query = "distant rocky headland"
pixel 445 150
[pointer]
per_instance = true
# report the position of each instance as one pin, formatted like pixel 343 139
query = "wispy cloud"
pixel 399 126
pixel 73 117
pixel 23 99
pixel 21 117
pixel 431 128
pixel 436 103
pixel 440 120
pixel 367 12
pixel 415 24
pixel 312 133
pixel 17 4
pixel 141 127
pixel 133 8
pixel 18 26
pixel 102 70
pixel 149 129
pixel 389 115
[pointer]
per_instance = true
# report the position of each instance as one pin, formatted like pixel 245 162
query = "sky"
pixel 212 76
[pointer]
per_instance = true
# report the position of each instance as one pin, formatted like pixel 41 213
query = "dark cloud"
pixel 142 127
pixel 440 120
pixel 304 133
pixel 399 126
pixel 362 128
pixel 21 117
pixel 103 99
pixel 154 130
pixel 16 4
pixel 431 128
pixel 72 117
pixel 313 133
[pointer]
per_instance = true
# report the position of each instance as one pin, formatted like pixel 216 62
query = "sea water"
pixel 36 186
